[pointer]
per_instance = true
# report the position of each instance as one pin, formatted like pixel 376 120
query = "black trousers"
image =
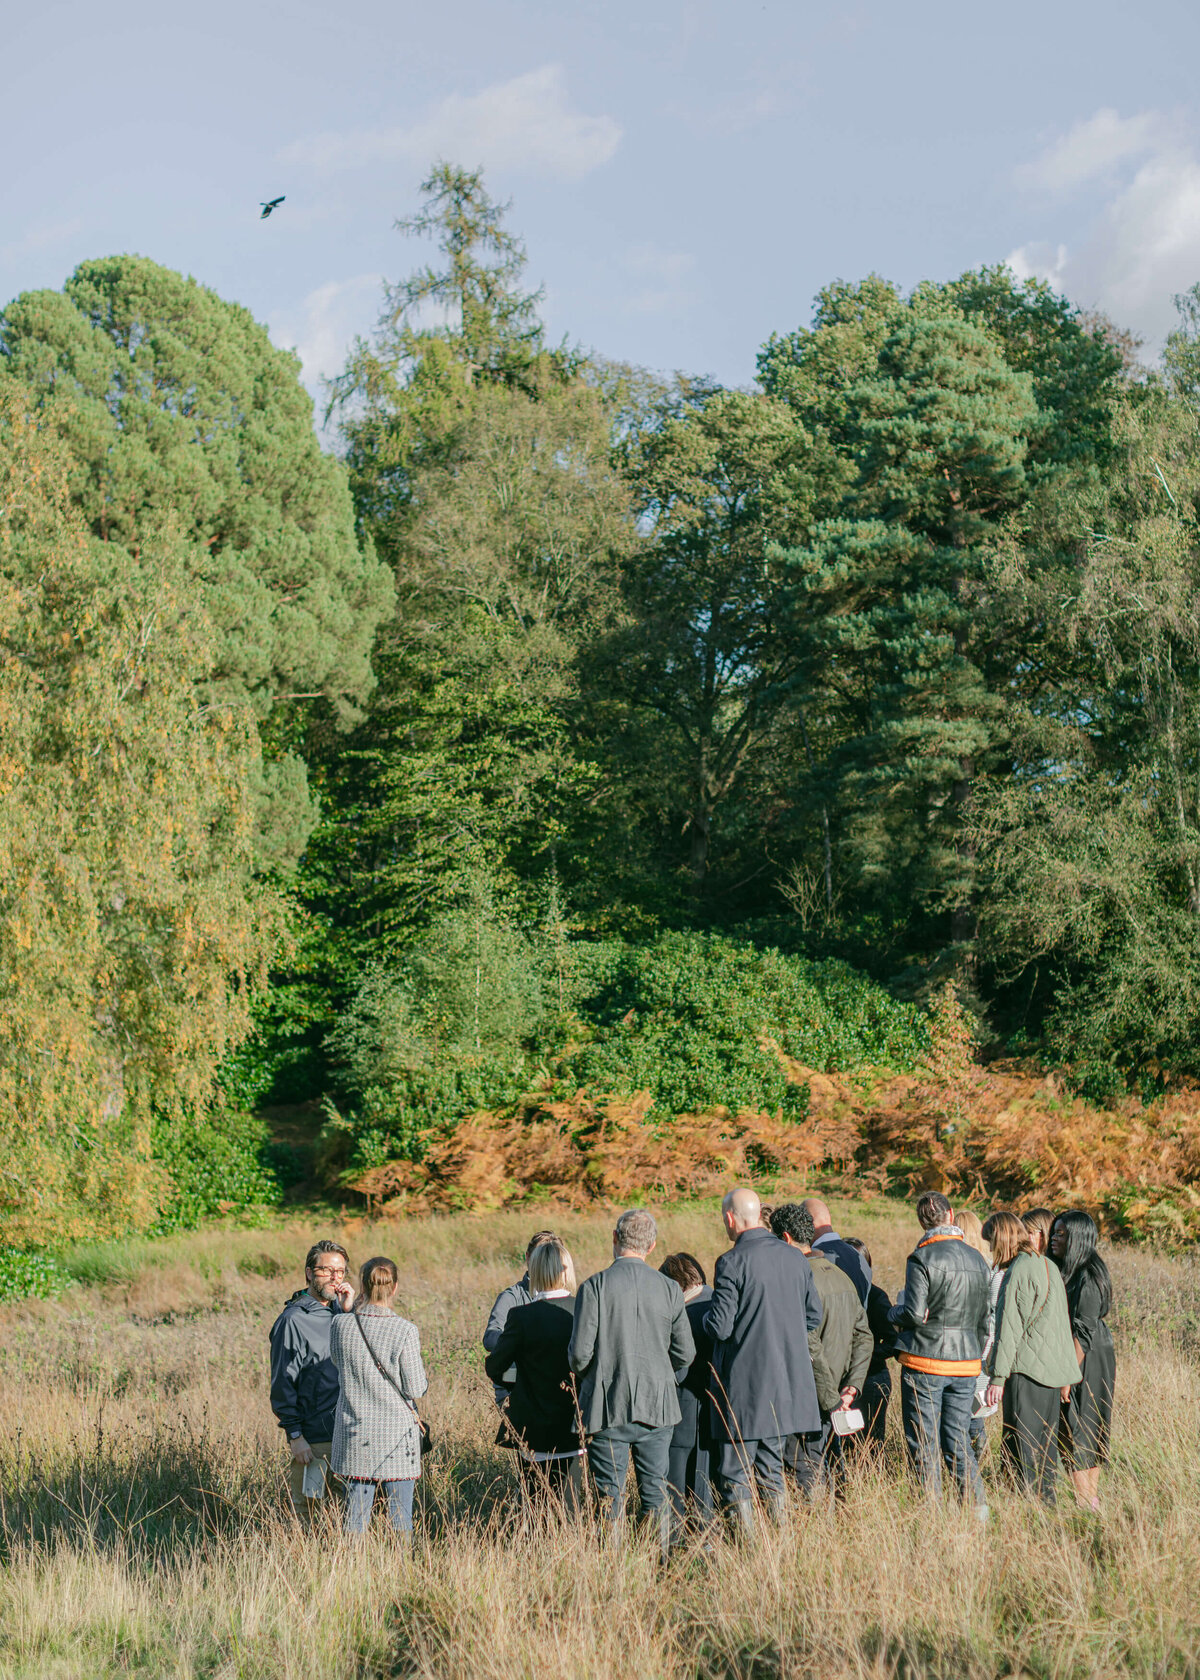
pixel 873 1403
pixel 808 1458
pixel 1029 1442
pixel 689 1484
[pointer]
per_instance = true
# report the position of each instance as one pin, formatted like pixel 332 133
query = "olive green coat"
pixel 1033 1326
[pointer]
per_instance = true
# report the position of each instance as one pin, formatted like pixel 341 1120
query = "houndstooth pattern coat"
pixel 375 1435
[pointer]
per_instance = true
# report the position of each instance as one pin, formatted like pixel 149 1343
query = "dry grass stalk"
pixel 143 1533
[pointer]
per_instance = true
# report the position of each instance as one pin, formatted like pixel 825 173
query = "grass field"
pixel 144 1531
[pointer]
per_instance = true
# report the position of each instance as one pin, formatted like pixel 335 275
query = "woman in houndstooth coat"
pixel 376 1432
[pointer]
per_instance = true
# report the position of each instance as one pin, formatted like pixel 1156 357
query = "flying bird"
pixel 268 207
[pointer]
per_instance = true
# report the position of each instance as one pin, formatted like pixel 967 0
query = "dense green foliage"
pixel 479 1014
pixel 697 1019
pixel 26 1273
pixel 576 728
pixel 218 1163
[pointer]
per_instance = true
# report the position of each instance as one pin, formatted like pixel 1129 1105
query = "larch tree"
pixel 132 933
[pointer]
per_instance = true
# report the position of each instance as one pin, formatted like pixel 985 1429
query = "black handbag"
pixel 423 1428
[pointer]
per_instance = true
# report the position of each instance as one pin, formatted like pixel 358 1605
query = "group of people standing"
pixel 719 1396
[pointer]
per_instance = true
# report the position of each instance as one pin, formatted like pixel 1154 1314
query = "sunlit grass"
pixel 144 1532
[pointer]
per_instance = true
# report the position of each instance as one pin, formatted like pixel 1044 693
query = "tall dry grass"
pixel 143 1530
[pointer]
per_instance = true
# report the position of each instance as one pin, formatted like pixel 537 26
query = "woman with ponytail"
pixel 377 1430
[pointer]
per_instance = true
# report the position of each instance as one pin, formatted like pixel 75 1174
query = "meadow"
pixel 144 1532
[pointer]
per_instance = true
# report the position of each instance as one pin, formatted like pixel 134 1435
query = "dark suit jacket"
pixel 540 1412
pixel 764 1305
pixel 850 1261
pixel 631 1336
pixel 693 1427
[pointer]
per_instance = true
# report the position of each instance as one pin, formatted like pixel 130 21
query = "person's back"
pixel 764 1302
pixel 626 1325
pixel 631 1340
pixel 516 1294
pixel 541 1402
pixel 942 1321
pixel 845 1333
pixel 941 1325
pixel 829 1243
pixel 764 1309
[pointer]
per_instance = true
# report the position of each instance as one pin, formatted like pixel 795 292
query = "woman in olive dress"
pixel 1087 1405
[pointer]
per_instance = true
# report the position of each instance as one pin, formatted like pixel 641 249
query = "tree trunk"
pixel 701 827
pixel 964 923
pixel 827 846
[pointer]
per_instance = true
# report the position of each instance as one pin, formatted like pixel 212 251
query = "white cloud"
pixel 40 238
pixel 1094 147
pixel 323 326
pixel 1143 243
pixel 1047 262
pixel 526 123
pixel 661 277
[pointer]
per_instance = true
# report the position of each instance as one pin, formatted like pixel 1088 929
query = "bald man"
pixel 826 1241
pixel 765 1308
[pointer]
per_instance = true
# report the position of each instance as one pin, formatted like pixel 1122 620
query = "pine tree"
pixel 174 404
pixel 481 467
pixel 890 606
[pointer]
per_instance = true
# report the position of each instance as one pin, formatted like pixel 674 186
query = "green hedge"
pixel 217 1164
pixel 684 1018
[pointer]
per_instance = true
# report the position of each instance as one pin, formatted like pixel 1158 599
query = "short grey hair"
pixel 636 1231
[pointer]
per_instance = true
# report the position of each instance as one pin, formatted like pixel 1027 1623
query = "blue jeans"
pixel 937 1417
pixel 741 1464
pixel 360 1497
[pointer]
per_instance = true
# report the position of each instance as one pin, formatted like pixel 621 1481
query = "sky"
pixel 686 174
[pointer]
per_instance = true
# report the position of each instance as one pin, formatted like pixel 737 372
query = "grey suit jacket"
pixel 631 1336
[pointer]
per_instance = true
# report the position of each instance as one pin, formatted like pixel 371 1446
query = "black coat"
pixel 541 1411
pixel 694 1391
pixel 764 1305
pixel 848 1260
pixel 882 1328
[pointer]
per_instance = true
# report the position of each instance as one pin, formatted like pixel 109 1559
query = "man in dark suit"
pixel 764 1312
pixel 631 1338
pixel 827 1241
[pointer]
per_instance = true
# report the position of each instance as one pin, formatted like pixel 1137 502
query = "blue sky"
pixel 685 175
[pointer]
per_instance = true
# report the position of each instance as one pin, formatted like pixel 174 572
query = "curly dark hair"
pixel 792 1220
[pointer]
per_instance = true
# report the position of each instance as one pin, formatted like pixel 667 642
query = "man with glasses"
pixel 304 1380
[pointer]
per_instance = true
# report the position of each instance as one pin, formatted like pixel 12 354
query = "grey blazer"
pixel 631 1336
pixel 375 1435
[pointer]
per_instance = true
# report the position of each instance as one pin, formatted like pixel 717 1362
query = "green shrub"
pixel 26 1272
pixel 461 1026
pixel 685 1019
pixel 216 1164
pixel 391 1122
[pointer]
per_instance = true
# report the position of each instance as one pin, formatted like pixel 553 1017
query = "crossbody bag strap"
pixel 382 1369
